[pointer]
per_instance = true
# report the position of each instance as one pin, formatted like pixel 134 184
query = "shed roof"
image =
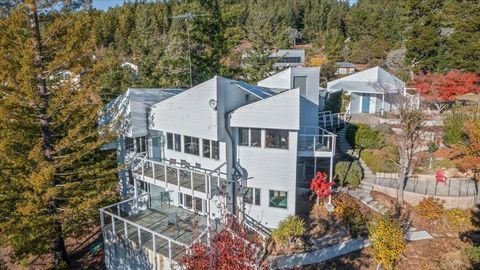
pixel 344 65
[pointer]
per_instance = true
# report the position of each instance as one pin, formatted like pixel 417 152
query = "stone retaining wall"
pixel 464 202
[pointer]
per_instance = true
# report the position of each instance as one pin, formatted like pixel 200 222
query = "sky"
pixel 105 4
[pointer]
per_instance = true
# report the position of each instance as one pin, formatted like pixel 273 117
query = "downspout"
pixel 236 171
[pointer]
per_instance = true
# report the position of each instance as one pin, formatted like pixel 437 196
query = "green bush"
pixel 349 173
pixel 453 128
pixel 292 226
pixel 364 136
pixel 381 160
pixel 473 253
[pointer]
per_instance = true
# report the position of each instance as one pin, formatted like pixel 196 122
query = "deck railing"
pixel 329 120
pixel 316 139
pixel 113 219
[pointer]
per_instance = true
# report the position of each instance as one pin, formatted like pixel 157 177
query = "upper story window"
pixel 129 144
pixel 300 82
pixel 141 144
pixel 169 141
pixel 276 138
pixel 178 143
pixel 174 142
pixel 250 137
pixel 191 145
pixel 215 150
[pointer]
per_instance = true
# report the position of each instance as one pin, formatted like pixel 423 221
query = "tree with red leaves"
pixel 321 186
pixel 442 89
pixel 230 249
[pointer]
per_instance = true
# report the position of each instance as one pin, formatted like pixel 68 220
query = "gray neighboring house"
pixel 371 91
pixel 288 58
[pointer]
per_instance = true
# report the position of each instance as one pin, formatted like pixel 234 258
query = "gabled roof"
pixel 373 80
pixel 344 65
pixel 289 53
pixel 128 112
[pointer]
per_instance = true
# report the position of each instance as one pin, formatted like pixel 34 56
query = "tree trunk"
pixel 59 252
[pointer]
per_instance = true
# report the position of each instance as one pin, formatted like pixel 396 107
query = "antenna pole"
pixel 189 51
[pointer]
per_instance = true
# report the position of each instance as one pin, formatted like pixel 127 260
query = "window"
pixel 198 205
pixel 129 146
pixel 206 148
pixel 180 198
pixel 255 137
pixel 169 141
pixel 252 196
pixel 178 143
pixel 243 136
pixel 250 137
pixel 275 138
pixel 190 145
pixel 215 150
pixel 300 82
pixel 278 199
pixel 141 144
pixel 188 201
pixel 248 197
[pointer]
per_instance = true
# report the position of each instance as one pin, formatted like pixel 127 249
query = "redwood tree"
pixel 442 89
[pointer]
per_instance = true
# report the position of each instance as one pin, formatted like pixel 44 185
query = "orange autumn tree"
pixel 442 89
pixel 232 248
pixel 467 155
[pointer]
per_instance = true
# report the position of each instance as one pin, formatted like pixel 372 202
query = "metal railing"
pixel 113 219
pixel 316 139
pixel 329 120
pixel 453 187
pixel 195 179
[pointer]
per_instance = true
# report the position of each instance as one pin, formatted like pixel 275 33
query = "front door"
pixel 365 103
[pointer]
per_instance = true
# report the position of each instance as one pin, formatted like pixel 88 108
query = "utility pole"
pixel 187 16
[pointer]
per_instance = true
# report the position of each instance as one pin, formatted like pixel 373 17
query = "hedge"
pixel 349 173
pixel 381 160
pixel 364 136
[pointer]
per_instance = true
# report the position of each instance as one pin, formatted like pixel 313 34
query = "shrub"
pixel 292 226
pixel 364 136
pixel 388 240
pixel 453 128
pixel 457 218
pixel 333 102
pixel 381 160
pixel 348 211
pixel 430 208
pixel 473 254
pixel 349 173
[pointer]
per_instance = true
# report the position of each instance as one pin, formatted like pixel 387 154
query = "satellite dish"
pixel 213 104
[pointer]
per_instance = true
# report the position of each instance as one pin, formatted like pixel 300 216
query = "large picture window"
pixel 141 144
pixel 276 138
pixel 278 199
pixel 190 145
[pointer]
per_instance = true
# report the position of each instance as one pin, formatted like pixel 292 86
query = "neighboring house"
pixel 344 68
pixel 223 145
pixel 371 91
pixel 288 58
pixel 65 76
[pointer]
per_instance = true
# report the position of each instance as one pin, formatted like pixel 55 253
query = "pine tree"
pixel 53 175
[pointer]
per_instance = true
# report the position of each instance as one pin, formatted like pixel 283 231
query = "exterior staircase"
pixel 362 193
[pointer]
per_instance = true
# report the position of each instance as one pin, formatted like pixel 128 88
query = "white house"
pixel 222 145
pixel 371 91
pixel 344 68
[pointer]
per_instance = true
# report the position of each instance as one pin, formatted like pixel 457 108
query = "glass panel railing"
pixel 199 183
pixel 185 178
pixel 172 175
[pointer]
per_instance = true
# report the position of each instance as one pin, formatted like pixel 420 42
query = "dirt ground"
pixel 84 253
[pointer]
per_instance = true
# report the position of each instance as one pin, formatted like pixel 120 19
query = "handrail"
pixel 217 168
pixel 205 171
pixel 122 202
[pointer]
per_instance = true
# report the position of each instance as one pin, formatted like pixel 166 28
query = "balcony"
pixel 330 121
pixel 201 182
pixel 151 231
pixel 316 142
